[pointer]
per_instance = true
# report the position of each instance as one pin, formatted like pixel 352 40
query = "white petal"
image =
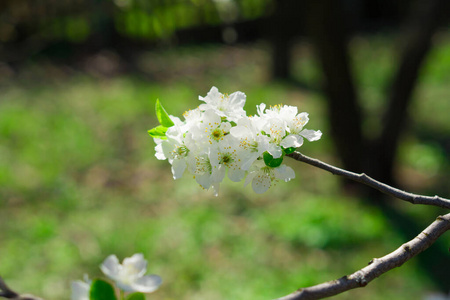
pixel 204 180
pixel 303 117
pixel 110 266
pixel 126 287
pixel 211 119
pixel 212 94
pixel 292 140
pixel 176 120
pixel 236 174
pixel 240 132
pixel 274 150
pixel 138 262
pixel 218 173
pixel 248 179
pixel 178 168
pixel 147 284
pixel 249 160
pixel 284 172
pixel 311 135
pixel 260 109
pixel 261 183
pixel 237 99
pixel 80 290
pixel 225 126
pixel 159 152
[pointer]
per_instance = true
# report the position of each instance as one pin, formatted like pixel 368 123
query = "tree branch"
pixel 382 187
pixel 377 266
pixel 7 293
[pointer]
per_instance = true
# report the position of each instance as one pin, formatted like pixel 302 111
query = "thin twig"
pixel 382 187
pixel 377 266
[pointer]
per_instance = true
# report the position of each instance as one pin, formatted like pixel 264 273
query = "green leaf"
pixel 272 162
pixel 289 150
pixel 135 296
pixel 162 115
pixel 101 290
pixel 158 132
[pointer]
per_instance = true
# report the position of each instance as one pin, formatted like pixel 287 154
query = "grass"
pixel 79 181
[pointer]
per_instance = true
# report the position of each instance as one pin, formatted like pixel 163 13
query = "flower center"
pixel 226 159
pixel 217 134
pixel 203 165
pixel 180 151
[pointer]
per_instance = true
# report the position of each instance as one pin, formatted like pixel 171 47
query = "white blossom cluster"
pixel 218 139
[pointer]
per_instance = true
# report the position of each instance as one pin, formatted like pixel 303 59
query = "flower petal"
pixel 218 173
pixel 110 266
pixel 138 263
pixel 147 284
pixel 274 150
pixel 159 152
pixel 311 135
pixel 261 183
pixel 284 172
pixel 80 290
pixel 204 180
pixel 292 140
pixel 236 174
pixel 178 168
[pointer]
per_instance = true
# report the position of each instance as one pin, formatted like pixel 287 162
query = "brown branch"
pixel 382 187
pixel 8 293
pixel 377 266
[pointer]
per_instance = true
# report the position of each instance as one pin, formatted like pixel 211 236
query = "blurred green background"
pixel 79 180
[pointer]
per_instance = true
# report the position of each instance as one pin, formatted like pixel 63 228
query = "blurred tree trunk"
pixel 325 22
pixel 325 25
pixel 282 27
pixel 424 22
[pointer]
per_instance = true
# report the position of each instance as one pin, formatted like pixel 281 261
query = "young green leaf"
pixel 162 115
pixel 272 162
pixel 101 290
pixel 135 296
pixel 289 150
pixel 158 132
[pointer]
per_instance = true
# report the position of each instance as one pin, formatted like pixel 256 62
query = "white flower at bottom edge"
pixel 129 276
pixel 81 289
pixel 262 176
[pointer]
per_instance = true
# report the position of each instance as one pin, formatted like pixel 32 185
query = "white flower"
pixel 129 276
pixel 262 176
pixel 199 165
pixel 250 139
pixel 286 126
pixel 227 155
pixel 229 106
pixel 210 129
pixel 176 149
pixel 192 118
pixel 81 289
pixel 275 128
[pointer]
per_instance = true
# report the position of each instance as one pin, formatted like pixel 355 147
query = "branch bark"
pixel 8 293
pixel 377 266
pixel 382 187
